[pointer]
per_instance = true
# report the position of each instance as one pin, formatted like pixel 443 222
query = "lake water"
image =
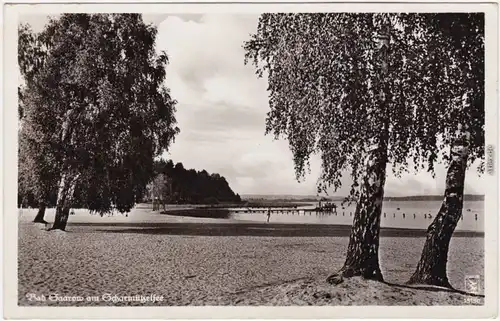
pixel 400 214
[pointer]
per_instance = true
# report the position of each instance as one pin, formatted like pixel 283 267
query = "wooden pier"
pixel 328 211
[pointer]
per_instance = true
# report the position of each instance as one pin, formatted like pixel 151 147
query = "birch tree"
pixel 38 170
pixel 461 39
pixel 359 90
pixel 98 101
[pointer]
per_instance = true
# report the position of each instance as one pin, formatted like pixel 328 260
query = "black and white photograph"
pixel 272 158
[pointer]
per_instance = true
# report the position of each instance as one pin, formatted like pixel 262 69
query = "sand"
pixel 89 262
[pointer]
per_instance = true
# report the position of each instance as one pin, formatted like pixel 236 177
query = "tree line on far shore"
pixel 171 184
pixel 176 185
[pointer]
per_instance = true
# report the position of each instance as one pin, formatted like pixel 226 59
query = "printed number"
pixel 472 300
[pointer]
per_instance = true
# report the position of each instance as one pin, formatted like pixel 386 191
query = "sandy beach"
pixel 91 264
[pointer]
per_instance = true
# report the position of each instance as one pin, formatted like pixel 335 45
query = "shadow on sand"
pixel 200 212
pixel 251 229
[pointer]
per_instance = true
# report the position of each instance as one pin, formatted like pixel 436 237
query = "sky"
pixel 222 107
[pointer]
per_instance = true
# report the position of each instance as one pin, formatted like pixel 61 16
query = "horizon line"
pixel 311 195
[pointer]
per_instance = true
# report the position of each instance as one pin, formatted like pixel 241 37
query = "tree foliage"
pixel 458 45
pixel 96 103
pixel 323 88
pixel 37 171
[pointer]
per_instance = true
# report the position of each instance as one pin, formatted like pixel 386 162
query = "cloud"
pixel 222 108
pixel 38 22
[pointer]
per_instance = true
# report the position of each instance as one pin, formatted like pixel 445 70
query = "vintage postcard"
pixel 250 160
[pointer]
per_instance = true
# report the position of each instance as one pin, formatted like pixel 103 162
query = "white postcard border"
pixel 9 168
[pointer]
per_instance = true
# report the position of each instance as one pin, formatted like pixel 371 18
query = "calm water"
pixel 416 215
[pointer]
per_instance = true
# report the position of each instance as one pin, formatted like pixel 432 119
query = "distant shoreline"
pixel 467 197
pixel 311 198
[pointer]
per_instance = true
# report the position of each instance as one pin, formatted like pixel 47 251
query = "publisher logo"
pixel 472 284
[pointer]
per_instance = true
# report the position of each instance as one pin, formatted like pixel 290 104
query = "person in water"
pixel 268 214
